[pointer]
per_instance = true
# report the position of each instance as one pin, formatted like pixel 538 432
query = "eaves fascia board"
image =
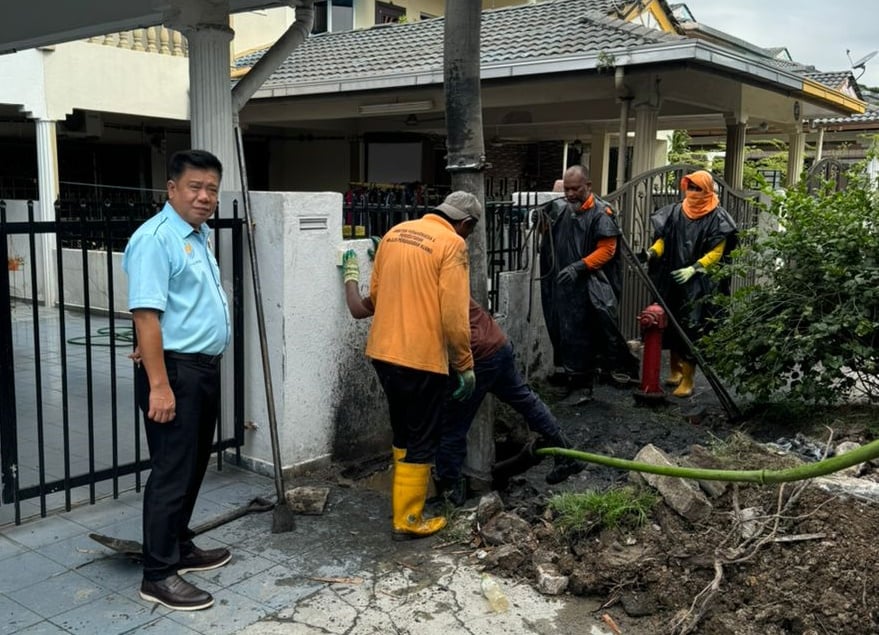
pixel 811 87
pixel 684 51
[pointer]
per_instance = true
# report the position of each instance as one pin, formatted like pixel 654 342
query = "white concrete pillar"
pixel 646 124
pixel 796 152
pixel 599 161
pixel 210 96
pixel 47 177
pixel 734 164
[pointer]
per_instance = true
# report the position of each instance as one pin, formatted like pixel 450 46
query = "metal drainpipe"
pixel 275 56
pixel 819 146
pixel 625 98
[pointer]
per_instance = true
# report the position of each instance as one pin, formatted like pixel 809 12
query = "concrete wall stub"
pixel 328 403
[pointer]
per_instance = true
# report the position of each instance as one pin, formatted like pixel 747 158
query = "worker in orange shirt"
pixel 420 289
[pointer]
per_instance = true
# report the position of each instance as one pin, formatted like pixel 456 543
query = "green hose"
pixel 123 334
pixel 763 477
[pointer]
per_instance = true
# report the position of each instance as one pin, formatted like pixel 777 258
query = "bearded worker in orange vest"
pixel 580 286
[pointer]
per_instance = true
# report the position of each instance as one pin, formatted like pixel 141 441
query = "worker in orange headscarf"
pixel 690 238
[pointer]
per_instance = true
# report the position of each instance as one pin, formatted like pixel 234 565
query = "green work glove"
pixel 682 275
pixel 571 272
pixel 466 385
pixel 371 251
pixel 350 267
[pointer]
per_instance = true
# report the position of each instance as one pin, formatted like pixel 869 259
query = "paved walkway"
pixel 335 573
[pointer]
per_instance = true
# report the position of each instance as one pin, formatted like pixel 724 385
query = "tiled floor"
pixel 55 579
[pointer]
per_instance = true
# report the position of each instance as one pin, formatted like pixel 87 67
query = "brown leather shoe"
pixel 203 560
pixel 175 593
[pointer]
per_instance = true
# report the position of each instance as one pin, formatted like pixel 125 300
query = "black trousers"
pixel 179 455
pixel 415 402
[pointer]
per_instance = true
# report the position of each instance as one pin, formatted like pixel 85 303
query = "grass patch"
pixel 583 512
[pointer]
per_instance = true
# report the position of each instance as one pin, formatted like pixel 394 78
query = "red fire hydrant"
pixel 653 322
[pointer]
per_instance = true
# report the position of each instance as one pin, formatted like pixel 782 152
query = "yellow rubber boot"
pixel 409 491
pixel 399 454
pixel 674 366
pixel 688 372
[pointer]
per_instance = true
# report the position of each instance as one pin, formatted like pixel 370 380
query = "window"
pixel 386 12
pixel 333 15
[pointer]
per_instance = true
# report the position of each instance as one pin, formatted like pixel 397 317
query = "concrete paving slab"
pixel 14 617
pixel 59 594
pixel 111 614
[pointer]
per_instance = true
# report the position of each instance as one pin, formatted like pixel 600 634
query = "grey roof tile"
pixel 552 29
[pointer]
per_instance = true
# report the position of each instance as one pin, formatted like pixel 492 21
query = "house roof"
pixel 777 52
pixel 535 39
pixel 554 29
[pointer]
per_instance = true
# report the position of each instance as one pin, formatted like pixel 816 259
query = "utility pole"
pixel 465 162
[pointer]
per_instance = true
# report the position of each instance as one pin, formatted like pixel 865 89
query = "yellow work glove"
pixel 350 267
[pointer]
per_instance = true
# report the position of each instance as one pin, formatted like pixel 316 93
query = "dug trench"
pixel 792 558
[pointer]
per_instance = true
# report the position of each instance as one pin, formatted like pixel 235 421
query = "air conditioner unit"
pixel 83 123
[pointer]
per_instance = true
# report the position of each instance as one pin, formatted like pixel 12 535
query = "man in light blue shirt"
pixel 181 317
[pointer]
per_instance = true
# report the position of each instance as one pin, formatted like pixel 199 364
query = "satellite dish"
pixel 863 61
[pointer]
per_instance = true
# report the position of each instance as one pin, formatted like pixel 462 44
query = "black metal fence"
pixel 68 419
pixel 505 231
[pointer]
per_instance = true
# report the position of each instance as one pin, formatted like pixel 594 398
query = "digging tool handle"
pixel 256 505
pixel 260 321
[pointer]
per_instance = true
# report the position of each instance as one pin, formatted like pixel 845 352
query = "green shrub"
pixel 808 330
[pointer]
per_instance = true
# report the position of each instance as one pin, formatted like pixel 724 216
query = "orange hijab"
pixel 697 204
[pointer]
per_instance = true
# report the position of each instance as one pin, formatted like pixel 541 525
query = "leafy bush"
pixel 808 330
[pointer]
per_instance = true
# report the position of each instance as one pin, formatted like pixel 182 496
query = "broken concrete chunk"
pixel 307 500
pixel 506 557
pixel 549 580
pixel 702 458
pixel 680 494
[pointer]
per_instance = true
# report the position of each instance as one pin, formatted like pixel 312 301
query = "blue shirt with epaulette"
pixel 171 269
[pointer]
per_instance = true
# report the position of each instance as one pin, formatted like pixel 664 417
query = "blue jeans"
pixel 499 376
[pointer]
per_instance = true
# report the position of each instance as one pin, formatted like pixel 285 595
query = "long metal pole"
pixel 277 526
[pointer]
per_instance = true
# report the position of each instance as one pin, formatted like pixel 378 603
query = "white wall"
pixel 49 83
pixel 327 399
pixel 257 29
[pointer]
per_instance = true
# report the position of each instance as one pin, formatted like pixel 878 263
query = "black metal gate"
pixel 69 426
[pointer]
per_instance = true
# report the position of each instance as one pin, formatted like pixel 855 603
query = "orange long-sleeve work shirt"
pixel 420 288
